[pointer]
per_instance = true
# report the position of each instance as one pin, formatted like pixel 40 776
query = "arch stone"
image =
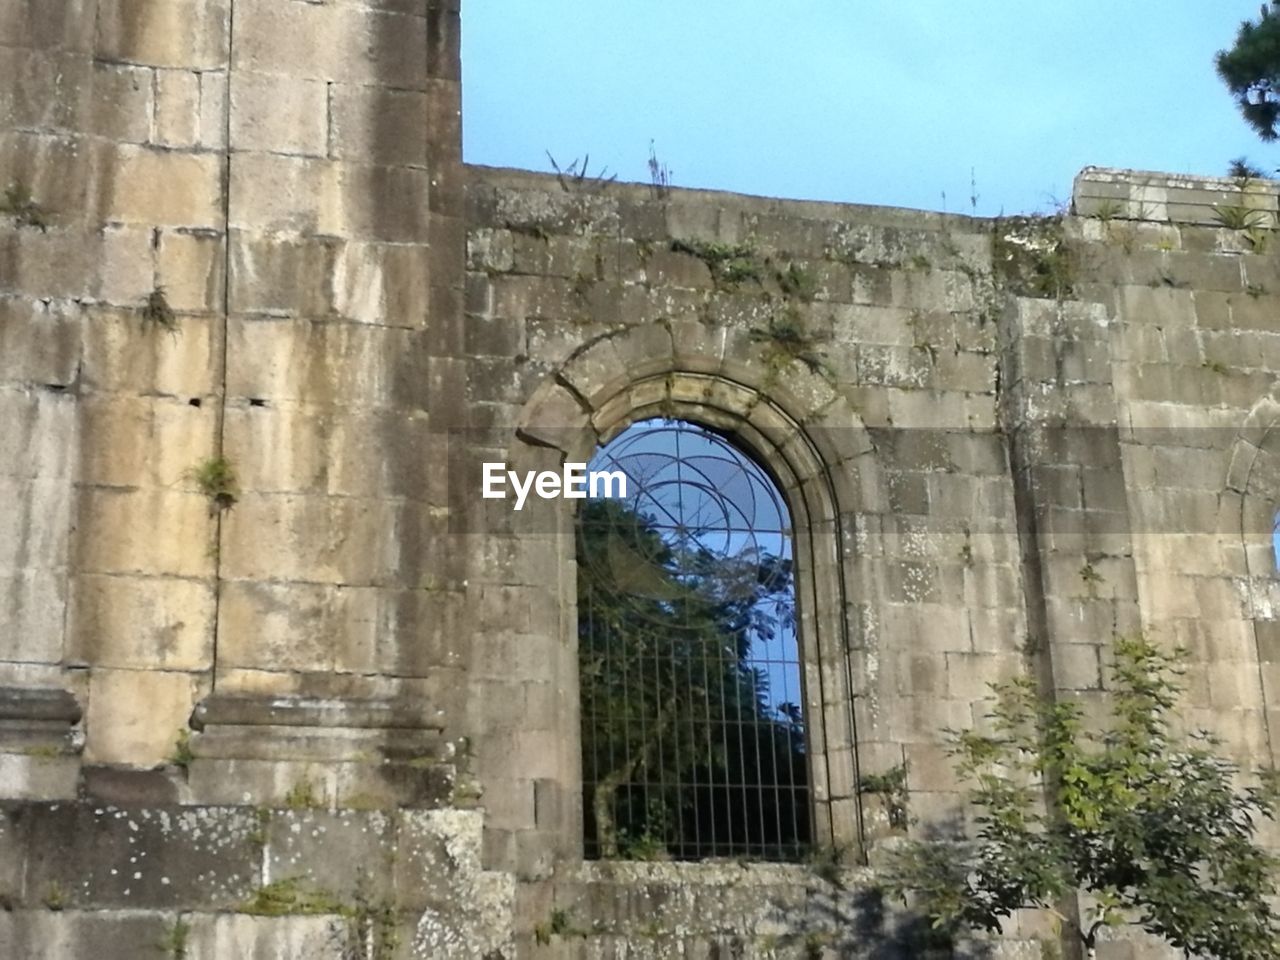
pixel 802 431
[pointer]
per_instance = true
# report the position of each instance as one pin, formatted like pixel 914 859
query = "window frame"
pixel 812 484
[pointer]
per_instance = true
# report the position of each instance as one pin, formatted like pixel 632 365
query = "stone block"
pixel 283 194
pixel 35 528
pixel 177 108
pixel 268 938
pixel 78 934
pixel 134 716
pixel 187 34
pixel 339 540
pixel 126 274
pixel 28 81
pixel 66 26
pixel 375 125
pixel 142 442
pixel 279 114
pixel 386 284
pixel 189 270
pixel 137 622
pixel 213 109
pixel 41 434
pixel 327 364
pixel 33 611
pixel 283 277
pixel 105 857
pixel 39 778
pixel 296 626
pixel 39 343
pixel 52 266
pixel 162 188
pixel 332 42
pixel 320 847
pixel 158 532
pixel 122 354
pixel 123 98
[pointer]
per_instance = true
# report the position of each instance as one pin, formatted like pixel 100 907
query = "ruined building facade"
pixel 275 680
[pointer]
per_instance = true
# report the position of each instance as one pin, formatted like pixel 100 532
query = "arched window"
pixel 694 740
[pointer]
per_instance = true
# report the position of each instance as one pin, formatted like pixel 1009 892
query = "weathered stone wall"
pixel 238 234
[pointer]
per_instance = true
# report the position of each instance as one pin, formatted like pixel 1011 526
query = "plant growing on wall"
pixel 1149 824
pixel 216 479
pixel 18 203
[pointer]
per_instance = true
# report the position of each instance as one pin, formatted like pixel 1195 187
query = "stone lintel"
pixel 256 711
pixel 39 704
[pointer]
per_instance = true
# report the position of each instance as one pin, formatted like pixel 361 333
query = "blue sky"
pixel 881 101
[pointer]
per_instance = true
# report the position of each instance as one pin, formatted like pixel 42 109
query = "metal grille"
pixel 693 733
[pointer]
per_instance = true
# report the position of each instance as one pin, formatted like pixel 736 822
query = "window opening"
pixel 693 730
pixel 1275 540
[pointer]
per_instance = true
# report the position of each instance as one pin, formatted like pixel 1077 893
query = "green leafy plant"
pixel 175 939
pixel 575 179
pixel 1033 257
pixel 1217 366
pixel 1108 210
pixel 216 479
pixel 182 755
pixel 55 898
pixel 798 282
pixel 729 263
pixel 19 204
pixel 788 341
pixel 659 175
pixel 302 796
pixel 1237 216
pixel 291 896
pixel 826 862
pixel 156 309
pixel 891 787
pixel 1150 824
pixel 1089 574
pixel 558 924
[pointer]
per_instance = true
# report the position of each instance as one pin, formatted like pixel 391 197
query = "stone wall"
pixel 259 328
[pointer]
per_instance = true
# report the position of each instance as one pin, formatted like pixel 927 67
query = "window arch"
pixel 694 734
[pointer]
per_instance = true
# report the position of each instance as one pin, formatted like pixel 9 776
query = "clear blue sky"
pixel 868 101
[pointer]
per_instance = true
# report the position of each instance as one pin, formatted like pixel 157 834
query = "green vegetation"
pixel 1150 824
pixel 796 281
pixel 1237 216
pixel 1032 257
pixel 729 263
pixel 175 940
pixel 659 176
pixel 891 787
pixel 182 755
pixel 291 896
pixel 787 341
pixel 575 179
pixel 156 310
pixel 216 479
pixel 302 796
pixel 19 204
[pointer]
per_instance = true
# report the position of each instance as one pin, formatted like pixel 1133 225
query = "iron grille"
pixel 693 731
